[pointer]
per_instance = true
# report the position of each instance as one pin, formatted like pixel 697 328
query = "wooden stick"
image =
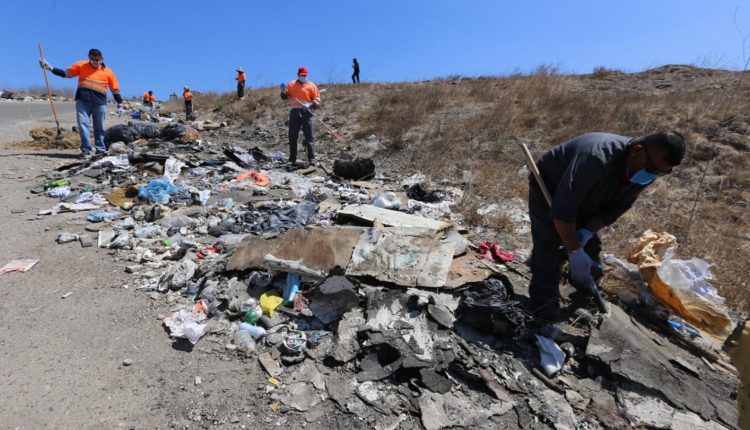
pixel 49 92
pixel 531 164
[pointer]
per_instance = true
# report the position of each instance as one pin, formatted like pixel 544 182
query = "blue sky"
pixel 162 45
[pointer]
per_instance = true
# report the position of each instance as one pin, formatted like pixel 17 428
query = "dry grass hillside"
pixel 445 128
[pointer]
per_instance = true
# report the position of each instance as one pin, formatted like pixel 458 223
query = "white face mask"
pixel 302 79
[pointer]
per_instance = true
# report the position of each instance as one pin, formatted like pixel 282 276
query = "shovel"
pixel 531 164
pixel 58 138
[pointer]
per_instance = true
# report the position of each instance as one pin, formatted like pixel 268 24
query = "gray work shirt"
pixel 586 177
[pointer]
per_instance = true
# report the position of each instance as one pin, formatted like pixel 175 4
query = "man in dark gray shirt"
pixel 593 179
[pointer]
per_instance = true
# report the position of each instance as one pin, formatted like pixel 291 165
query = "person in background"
pixel 355 74
pixel 188 97
pixel 240 83
pixel 593 179
pixel 303 96
pixel 91 96
pixel 149 99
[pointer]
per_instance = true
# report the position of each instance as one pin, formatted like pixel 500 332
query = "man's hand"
pixel 44 64
pixel 580 264
pixel 314 105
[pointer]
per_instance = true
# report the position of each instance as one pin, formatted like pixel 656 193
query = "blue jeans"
pixel 84 112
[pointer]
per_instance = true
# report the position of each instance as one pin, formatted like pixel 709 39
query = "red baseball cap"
pixel 302 71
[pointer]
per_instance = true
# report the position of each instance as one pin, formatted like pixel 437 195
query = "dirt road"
pixel 62 358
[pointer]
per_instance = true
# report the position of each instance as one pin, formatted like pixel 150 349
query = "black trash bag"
pixel 361 169
pixel 147 131
pixel 120 133
pixel 415 192
pixel 258 154
pixel 173 131
pixel 489 306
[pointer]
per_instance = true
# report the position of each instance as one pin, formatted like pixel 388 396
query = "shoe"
pixel 83 155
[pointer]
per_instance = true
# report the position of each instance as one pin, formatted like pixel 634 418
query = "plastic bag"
pixel 681 285
pixel 386 200
pixel 551 356
pixel 158 191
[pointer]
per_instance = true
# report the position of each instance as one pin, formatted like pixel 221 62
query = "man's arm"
pixel 567 233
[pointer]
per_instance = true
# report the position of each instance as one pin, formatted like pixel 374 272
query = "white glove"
pixel 307 105
pixel 44 64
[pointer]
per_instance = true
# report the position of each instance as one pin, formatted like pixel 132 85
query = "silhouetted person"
pixel 355 75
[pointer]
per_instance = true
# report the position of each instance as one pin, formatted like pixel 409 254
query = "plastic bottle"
pixel 255 331
pixel 251 310
pixel 244 340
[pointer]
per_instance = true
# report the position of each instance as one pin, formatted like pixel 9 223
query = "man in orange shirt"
pixel 91 96
pixel 149 99
pixel 240 83
pixel 303 96
pixel 188 96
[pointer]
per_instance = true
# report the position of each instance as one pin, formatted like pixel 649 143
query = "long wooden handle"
pixel 49 92
pixel 531 164
pixel 335 135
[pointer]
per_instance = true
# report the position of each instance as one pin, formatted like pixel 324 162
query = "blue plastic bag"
pixel 158 191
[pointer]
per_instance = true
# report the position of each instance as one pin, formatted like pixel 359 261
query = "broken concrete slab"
pixel 654 413
pixel 301 396
pixel 402 256
pixel 340 386
pixel 332 299
pixel 368 214
pixel 455 409
pixel 624 347
pixel 318 249
pixel 466 269
pixel 346 346
pixel 270 365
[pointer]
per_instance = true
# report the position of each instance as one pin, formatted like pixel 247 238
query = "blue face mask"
pixel 641 177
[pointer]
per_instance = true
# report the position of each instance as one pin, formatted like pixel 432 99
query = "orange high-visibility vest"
pixel 241 76
pixel 187 95
pixel 306 92
pixel 94 79
pixel 148 97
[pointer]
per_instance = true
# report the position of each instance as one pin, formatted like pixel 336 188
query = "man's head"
pixel 151 93
pixel 95 57
pixel 185 88
pixel 239 69
pixel 653 155
pixel 302 73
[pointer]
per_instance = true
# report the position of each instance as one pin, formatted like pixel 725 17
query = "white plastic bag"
pixel 691 276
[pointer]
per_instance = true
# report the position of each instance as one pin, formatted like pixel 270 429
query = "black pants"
pixel 188 109
pixel 546 255
pixel 301 118
pixel 355 77
pixel 240 89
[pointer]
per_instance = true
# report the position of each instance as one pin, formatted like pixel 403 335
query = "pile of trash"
pixel 365 293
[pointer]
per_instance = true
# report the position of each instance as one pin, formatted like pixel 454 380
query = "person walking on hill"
pixel 240 83
pixel 91 96
pixel 593 179
pixel 149 99
pixel 303 96
pixel 355 74
pixel 188 97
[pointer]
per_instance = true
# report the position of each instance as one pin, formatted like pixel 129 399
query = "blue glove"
pixel 584 235
pixel 579 265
